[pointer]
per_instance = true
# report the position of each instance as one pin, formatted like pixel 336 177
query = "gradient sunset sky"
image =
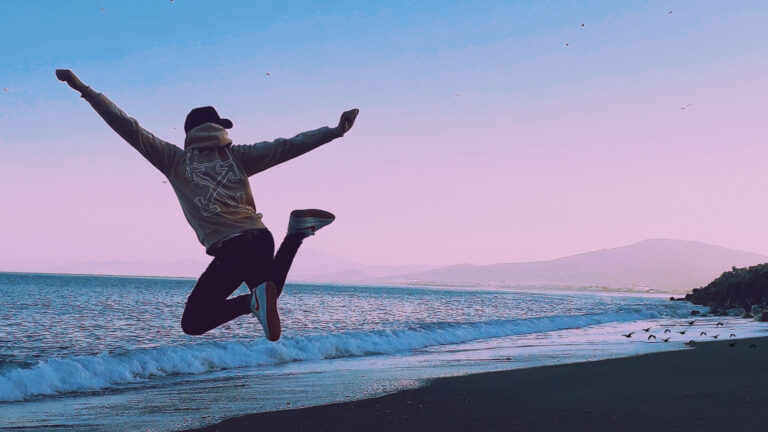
pixel 488 131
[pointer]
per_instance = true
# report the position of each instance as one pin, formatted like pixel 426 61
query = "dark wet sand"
pixel 713 387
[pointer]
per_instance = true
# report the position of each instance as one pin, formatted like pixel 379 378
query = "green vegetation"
pixel 738 288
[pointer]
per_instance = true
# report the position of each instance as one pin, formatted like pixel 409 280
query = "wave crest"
pixel 107 370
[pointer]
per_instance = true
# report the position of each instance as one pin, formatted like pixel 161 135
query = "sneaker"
pixel 308 221
pixel 264 307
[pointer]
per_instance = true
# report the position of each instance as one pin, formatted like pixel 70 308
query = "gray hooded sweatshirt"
pixel 210 176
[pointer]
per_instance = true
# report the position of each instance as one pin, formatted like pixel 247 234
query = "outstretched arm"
pixel 158 152
pixel 263 155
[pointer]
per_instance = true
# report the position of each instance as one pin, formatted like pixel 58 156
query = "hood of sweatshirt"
pixel 207 136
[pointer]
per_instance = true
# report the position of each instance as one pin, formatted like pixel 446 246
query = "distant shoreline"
pixel 97 275
pixel 458 287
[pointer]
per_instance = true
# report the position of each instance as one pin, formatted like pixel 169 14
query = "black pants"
pixel 246 258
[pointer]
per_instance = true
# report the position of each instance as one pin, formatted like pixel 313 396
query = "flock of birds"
pixel 731 337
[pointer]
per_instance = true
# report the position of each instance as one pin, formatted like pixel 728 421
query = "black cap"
pixel 206 114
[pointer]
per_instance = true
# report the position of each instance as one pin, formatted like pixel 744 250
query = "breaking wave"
pixel 109 370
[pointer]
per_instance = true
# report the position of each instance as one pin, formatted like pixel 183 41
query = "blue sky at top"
pixel 593 130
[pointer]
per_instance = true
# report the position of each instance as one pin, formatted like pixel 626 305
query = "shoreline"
pixel 544 289
pixel 712 387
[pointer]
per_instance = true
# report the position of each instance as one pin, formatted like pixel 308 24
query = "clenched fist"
pixel 70 78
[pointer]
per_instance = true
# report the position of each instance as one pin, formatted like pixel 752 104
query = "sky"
pixel 488 131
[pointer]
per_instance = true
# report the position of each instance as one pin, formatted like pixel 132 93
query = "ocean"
pixel 100 353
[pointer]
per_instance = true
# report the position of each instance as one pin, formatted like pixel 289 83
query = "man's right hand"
pixel 347 120
pixel 70 78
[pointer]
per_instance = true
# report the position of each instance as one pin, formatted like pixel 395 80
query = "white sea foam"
pixel 108 370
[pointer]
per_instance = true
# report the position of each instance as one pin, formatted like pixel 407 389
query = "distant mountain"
pixel 180 268
pixel 348 276
pixel 320 267
pixel 309 265
pixel 675 266
pixel 658 264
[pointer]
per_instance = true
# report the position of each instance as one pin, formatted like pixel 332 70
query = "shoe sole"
pixel 312 213
pixel 311 219
pixel 268 300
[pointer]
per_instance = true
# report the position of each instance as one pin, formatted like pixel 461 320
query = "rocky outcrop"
pixel 740 292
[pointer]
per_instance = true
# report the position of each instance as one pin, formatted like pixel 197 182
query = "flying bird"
pixel 670 12
pixel 691 322
pixel 682 332
pixel 647 329
pixel 5 89
pixel 718 324
pixel 732 335
pixel 628 335
pixel 456 93
pixel 268 74
pixel 667 331
pixel 102 9
pixel 164 181
pixel 715 336
pixel 651 337
pixel 690 343
pixel 666 340
pixel 703 334
pixel 582 24
pixel 567 44
pixel 682 108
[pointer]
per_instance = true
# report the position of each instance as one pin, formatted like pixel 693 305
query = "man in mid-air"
pixel 210 178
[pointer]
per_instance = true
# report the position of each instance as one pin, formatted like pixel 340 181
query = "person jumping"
pixel 210 178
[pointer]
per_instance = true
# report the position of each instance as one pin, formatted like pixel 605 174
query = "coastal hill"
pixel 745 288
pixel 675 266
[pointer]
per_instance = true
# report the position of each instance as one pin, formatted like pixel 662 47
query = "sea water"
pixel 102 353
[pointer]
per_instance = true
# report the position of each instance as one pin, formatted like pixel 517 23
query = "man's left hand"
pixel 70 78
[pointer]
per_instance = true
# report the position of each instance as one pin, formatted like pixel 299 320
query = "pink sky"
pixel 549 150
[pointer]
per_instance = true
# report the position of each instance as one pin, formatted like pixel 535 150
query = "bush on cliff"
pixel 738 288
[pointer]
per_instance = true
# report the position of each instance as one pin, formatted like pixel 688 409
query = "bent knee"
pixel 192 329
pixel 191 325
pixel 192 332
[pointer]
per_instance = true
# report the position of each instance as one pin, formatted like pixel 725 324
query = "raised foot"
pixel 308 221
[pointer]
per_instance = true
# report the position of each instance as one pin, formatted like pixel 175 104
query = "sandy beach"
pixel 713 387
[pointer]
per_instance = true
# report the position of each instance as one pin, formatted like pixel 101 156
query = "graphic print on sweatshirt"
pixel 219 178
